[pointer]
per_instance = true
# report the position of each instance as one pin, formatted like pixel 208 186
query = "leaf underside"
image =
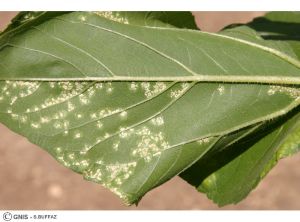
pixel 131 99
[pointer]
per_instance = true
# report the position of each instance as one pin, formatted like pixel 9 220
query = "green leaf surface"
pixel 129 100
pixel 246 161
pixel 232 172
pixel 279 26
pixel 54 50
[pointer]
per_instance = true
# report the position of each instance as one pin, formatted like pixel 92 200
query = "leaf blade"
pixel 237 169
pixel 133 136
pixel 158 50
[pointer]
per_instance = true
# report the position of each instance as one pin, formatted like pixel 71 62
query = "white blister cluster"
pixel 67 90
pixel 179 92
pixel 149 144
pixel 152 89
pixel 114 16
pixel 13 90
pixel 221 89
pixel 204 140
pixel 111 175
pixel 72 112
pixel 157 121
pixel 72 159
pixel 293 92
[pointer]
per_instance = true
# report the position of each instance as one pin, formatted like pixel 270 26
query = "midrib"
pixel 290 80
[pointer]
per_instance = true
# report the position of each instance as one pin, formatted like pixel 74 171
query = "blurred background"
pixel 31 179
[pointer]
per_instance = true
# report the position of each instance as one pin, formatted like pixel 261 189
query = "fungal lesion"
pixel 111 175
pixel 152 89
pixel 66 91
pixel 293 92
pixel 204 140
pixel 149 144
pixel 221 89
pixel 123 114
pixel 179 92
pixel 53 93
pixel 157 121
pixel 71 159
pixel 148 140
pixel 114 16
pixel 99 124
pixel 62 107
pixel 26 16
pixel 108 112
pixel 133 86
pixel 14 90
pixel 77 135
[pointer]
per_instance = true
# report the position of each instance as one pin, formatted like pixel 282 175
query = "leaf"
pixel 279 26
pixel 129 104
pixel 168 19
pixel 231 173
pixel 244 162
pixel 57 47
